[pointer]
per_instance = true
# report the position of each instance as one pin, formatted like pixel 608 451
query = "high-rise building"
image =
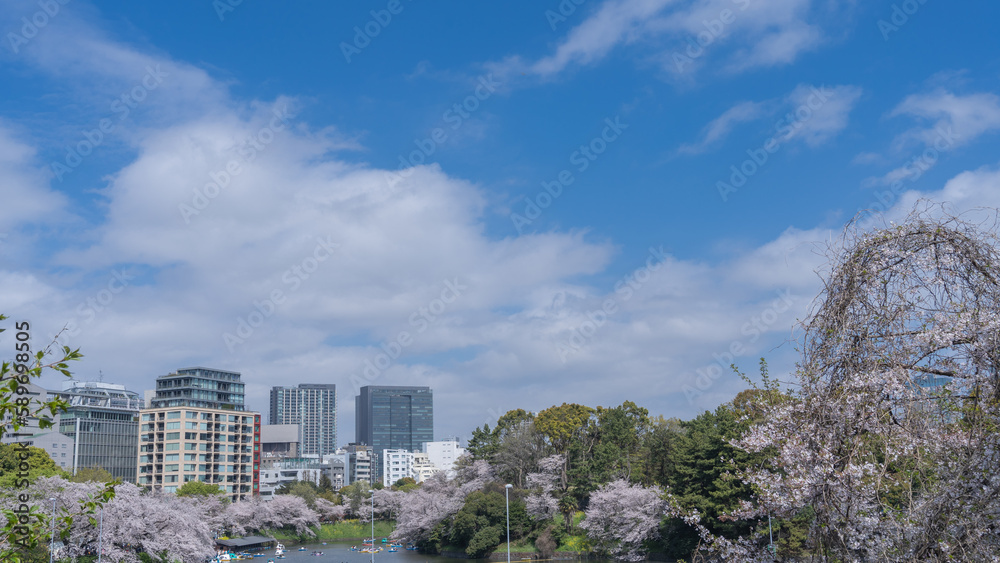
pixel 312 406
pixel 181 439
pixel 394 418
pixel 103 421
pixel 201 388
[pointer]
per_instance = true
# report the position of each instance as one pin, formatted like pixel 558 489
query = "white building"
pixel 422 467
pixel 396 464
pixel 444 454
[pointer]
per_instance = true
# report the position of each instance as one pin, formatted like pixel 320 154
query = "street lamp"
pixel 52 538
pixel 373 525
pixel 100 536
pixel 506 496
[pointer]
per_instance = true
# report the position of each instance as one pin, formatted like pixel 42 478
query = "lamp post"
pixel 372 550
pixel 506 496
pixel 52 538
pixel 100 535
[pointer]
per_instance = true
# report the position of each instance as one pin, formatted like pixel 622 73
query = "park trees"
pixel 621 517
pixel 890 441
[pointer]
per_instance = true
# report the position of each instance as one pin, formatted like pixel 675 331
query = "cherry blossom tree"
pixel 330 512
pixel 621 517
pixel 438 498
pixel 542 505
pixel 890 441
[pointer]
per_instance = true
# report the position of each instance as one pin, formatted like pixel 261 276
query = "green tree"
pixel 568 428
pixel 658 446
pixel 92 474
pixel 484 512
pixel 701 477
pixel 306 490
pixel 355 494
pixel 39 465
pixel 325 484
pixel 198 489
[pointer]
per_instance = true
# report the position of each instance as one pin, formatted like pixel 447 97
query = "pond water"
pixel 340 552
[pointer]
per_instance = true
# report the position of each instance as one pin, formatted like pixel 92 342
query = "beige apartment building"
pixel 184 438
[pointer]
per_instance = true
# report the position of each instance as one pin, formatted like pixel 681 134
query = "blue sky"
pixel 519 204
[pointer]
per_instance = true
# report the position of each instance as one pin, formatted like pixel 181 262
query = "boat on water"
pixel 279 549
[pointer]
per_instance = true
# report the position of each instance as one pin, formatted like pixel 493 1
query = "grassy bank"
pixel 345 530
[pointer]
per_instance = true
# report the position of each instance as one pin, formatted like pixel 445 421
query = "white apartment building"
pixel 422 467
pixel 444 454
pixel 396 464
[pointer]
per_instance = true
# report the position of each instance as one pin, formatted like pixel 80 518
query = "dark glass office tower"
pixel 389 417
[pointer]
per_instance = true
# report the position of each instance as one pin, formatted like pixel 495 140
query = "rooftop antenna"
pixel 100 376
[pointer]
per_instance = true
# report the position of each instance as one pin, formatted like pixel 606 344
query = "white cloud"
pixel 720 127
pixel 684 35
pixel 810 114
pixel 946 121
pixel 961 119
pixel 821 112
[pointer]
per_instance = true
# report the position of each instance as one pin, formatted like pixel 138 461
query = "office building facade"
pixel 313 407
pixel 102 419
pixel 394 418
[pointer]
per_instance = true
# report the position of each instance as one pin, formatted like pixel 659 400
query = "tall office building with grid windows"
pixel 313 406
pixel 391 417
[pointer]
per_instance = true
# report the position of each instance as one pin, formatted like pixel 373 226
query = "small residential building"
pixel 422 467
pixel 444 454
pixel 396 464
pixel 279 441
pixel 357 459
pixel 57 445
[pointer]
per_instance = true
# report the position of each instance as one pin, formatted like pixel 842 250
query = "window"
pixel 64 445
pixel 189 457
pixel 170 467
pixel 173 435
pixel 190 414
pixel 191 425
pixel 171 457
pixel 189 467
pixel 147 417
pixel 174 414
pixel 173 425
pixel 172 446
pixel 190 446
